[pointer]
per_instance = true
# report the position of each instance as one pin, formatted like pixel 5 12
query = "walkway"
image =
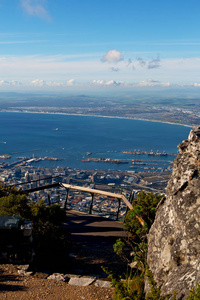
pixel 93 238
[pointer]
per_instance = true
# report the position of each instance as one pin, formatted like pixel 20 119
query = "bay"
pixel 32 133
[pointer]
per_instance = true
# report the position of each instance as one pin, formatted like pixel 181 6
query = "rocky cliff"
pixel 174 238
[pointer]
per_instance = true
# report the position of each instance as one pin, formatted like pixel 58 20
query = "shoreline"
pixel 99 116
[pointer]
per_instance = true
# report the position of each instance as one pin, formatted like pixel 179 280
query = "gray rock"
pixel 174 238
pixel 73 275
pixel 58 277
pixel 24 273
pixel 81 281
pixel 103 283
pixel 23 267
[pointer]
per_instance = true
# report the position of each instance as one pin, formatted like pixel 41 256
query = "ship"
pixel 121 162
pixel 56 129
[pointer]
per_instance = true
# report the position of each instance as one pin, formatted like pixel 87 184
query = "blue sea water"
pixel 30 133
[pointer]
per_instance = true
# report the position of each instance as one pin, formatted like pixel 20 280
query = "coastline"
pixel 99 116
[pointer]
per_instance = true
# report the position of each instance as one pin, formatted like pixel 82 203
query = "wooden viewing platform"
pixel 93 238
pixel 92 227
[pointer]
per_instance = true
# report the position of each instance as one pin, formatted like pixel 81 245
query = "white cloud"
pixel 195 84
pixel 36 8
pixel 151 82
pixel 4 82
pixel 70 82
pixel 98 82
pixel 10 83
pixel 147 83
pixel 42 83
pixel 112 56
pixel 39 82
pixel 113 83
pixel 106 83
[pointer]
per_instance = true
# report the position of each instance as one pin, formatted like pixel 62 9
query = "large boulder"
pixel 174 238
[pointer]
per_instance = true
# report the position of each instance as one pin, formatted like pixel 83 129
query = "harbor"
pixel 139 152
pixel 137 160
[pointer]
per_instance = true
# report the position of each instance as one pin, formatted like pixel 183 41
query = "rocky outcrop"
pixel 174 238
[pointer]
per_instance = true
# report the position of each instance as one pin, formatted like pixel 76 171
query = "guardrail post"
pixel 65 205
pixel 91 204
pixel 117 217
pixel 49 200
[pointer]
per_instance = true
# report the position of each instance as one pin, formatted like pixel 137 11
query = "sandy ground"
pixel 14 286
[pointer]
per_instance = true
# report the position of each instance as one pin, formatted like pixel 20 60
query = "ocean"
pixel 28 134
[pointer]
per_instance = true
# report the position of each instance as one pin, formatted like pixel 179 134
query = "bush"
pixel 50 239
pixel 130 289
pixel 14 204
pixel 136 225
pixel 194 295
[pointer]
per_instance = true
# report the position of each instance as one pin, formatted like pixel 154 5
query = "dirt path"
pixel 14 286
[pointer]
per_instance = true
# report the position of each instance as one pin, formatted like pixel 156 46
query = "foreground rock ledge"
pixel 174 238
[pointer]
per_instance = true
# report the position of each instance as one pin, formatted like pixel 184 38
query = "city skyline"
pixel 98 45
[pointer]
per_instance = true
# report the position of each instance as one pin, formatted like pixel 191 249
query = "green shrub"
pixel 50 239
pixel 14 204
pixel 132 288
pixel 144 208
pixel 194 294
pixel 136 225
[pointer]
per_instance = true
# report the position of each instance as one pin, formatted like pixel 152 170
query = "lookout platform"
pixel 92 243
pixel 84 226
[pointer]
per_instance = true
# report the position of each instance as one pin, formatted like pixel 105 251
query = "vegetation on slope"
pixel 133 250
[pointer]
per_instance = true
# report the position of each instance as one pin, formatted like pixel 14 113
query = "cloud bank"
pixel 43 83
pixel 10 83
pixel 66 72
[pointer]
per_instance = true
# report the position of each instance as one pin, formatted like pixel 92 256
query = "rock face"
pixel 174 238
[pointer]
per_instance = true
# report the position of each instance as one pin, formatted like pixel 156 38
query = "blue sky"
pixel 88 45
